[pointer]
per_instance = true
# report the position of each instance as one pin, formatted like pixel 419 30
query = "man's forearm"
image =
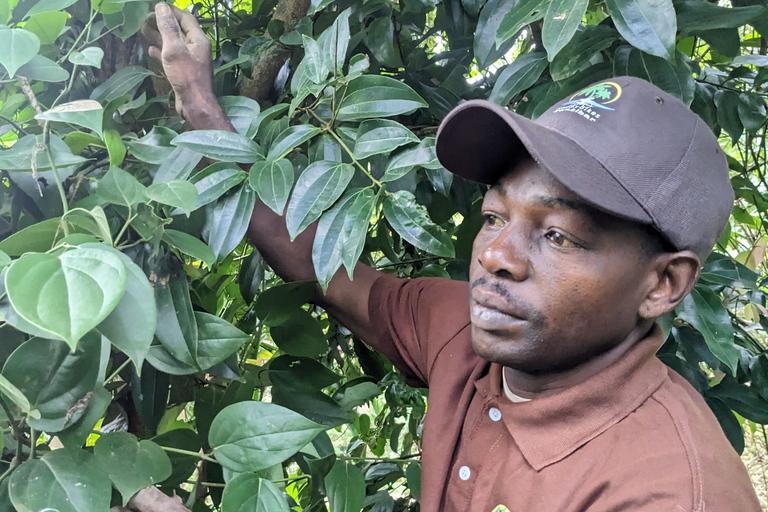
pixel 205 113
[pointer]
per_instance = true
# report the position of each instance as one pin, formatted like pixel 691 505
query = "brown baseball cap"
pixel 623 145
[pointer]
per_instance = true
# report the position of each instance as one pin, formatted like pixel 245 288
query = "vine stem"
pixel 327 128
pixel 292 479
pixel 59 185
pixel 201 456
pixel 119 369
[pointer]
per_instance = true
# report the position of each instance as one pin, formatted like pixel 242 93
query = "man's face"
pixel 554 282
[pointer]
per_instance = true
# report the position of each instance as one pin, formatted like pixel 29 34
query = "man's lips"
pixel 489 311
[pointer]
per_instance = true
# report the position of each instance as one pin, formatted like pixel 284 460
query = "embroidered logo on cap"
pixel 500 508
pixel 590 101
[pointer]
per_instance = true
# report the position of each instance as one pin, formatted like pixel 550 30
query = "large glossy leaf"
pixel 61 480
pixel 87 57
pixel 220 145
pixel 345 485
pixel 334 42
pixel 176 325
pixel 178 165
pixel 183 465
pixel 704 311
pixel 751 112
pixel 190 246
pixel 154 147
pixel 250 276
pixel 125 81
pixel 75 435
pixel 318 187
pixel 250 493
pixel 57 382
pixel 19 47
pixel 251 436
pixel 405 160
pixel 485 48
pixel 562 19
pixel 131 464
pixel 675 78
pixel 410 220
pixel 177 193
pixel 47 25
pixel 216 180
pixel 217 339
pixel 341 234
pixel 272 180
pixel 277 304
pixel 523 13
pixel 300 335
pixel 694 17
pixel 518 76
pixel 649 25
pixel 227 220
pixel 727 103
pixel 68 294
pixel 315 64
pixel 292 137
pixel 49 5
pixel 30 150
pixel 577 54
pixel 138 302
pixel 378 96
pixel 120 187
pixel 86 113
pixel 377 136
pixel 241 111
pixel 43 69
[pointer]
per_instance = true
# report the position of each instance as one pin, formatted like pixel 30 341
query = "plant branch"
pixel 25 87
pixel 190 453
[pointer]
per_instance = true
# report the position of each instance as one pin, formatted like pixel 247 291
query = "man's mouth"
pixel 490 312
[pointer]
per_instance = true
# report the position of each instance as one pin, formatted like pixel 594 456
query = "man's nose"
pixel 506 256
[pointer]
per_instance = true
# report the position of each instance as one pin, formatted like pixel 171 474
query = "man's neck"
pixel 529 386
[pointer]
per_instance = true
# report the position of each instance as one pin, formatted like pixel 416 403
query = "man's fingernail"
pixel 162 8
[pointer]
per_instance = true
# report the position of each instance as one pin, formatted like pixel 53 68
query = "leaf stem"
pixel 199 455
pixel 119 369
pixel 292 479
pixel 128 221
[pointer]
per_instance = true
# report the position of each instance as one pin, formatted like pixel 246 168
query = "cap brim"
pixel 482 141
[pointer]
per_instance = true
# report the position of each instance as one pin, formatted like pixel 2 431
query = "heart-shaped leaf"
pixel 272 180
pixel 68 294
pixel 86 113
pixel 87 57
pixel 250 493
pixel 19 47
pixel 181 194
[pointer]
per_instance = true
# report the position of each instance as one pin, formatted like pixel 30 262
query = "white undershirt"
pixel 512 397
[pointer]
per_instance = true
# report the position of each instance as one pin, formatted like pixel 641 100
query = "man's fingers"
pixel 188 22
pixel 155 53
pixel 167 25
pixel 150 32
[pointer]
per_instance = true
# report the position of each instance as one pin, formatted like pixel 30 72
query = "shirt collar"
pixel 549 429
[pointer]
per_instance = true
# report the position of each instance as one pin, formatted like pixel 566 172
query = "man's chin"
pixel 503 348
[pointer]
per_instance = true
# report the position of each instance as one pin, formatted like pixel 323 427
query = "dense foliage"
pixel 144 342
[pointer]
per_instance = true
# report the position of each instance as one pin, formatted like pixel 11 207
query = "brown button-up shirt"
pixel 635 437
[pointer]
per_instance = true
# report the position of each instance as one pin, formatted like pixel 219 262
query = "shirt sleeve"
pixel 413 320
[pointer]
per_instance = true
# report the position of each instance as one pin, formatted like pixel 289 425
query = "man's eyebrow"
pixel 565 203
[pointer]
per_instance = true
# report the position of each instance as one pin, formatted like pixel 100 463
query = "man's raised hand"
pixel 179 43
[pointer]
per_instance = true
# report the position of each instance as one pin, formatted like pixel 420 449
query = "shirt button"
pixel 494 414
pixel 464 473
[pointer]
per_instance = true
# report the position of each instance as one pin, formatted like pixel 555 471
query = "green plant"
pixel 137 325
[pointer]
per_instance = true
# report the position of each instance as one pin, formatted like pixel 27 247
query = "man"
pixel 545 392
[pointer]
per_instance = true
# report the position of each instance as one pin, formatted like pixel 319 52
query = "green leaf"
pixel 43 69
pixel 115 146
pixel 85 113
pixel 675 79
pixel 410 220
pixel 61 480
pixel 300 335
pixel 250 276
pixel 341 234
pixel 277 304
pixel 216 180
pixel 131 464
pixel 576 55
pixel 704 311
pixel 176 326
pixel 5 260
pixel 217 339
pixel 47 25
pixel 154 147
pixel 485 49
pixel 30 150
pixel 318 187
pixel 249 493
pixel 190 246
pixel 183 465
pixel 220 145
pixel 351 396
pixel 292 137
pixel 522 13
pixel 413 477
pixel 90 56
pixel 120 327
pixel 751 111
pixel 120 187
pixel 376 136
pixel 17 397
pixel 272 180
pixel 227 221
pixel 694 17
pixel 38 237
pixel 250 436
pixel 315 63
pixel 345 486
pixel 335 41
pixel 49 5
pixel 66 295
pixel 727 103
pixel 180 194
pixel 75 435
pixel 177 166
pixel 57 382
pixel 403 162
pixel 562 19
pixel 19 47
pixel 518 76
pixel 648 25
pixel 378 96
pixel 124 81
pixel 241 111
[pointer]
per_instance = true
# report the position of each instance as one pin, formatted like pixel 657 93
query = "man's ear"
pixel 671 277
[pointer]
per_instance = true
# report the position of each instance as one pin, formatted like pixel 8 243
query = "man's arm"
pixel 185 52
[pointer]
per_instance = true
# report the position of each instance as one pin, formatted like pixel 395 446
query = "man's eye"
pixel 493 221
pixel 560 240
